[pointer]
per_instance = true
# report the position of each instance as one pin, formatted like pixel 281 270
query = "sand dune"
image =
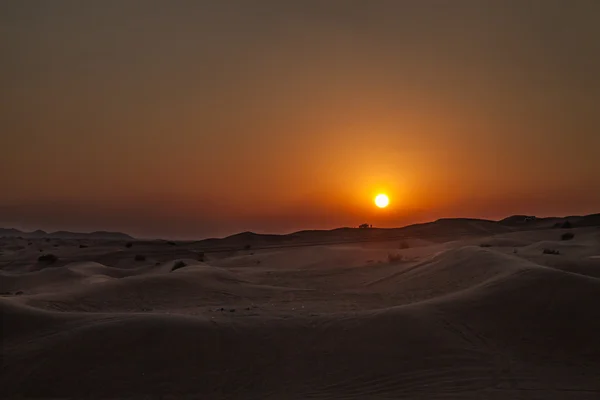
pixel 451 320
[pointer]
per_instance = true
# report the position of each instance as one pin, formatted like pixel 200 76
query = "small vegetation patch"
pixel 567 236
pixel 48 258
pixel 172 243
pixel 128 245
pixel 201 256
pixel 82 246
pixel 485 245
pixel 394 257
pixel 140 257
pixel 178 264
pixel 550 251
pixel 403 245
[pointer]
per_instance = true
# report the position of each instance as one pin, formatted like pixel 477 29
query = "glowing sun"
pixel 382 201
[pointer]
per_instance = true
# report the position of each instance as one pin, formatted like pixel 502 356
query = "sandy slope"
pixel 449 320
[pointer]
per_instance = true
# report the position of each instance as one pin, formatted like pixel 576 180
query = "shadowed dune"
pixel 495 339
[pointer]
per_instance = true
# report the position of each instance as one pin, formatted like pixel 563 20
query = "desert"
pixel 452 309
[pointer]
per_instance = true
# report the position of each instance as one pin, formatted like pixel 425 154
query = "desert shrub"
pixel 177 265
pixel 172 243
pixel 247 247
pixel 394 257
pixel 20 292
pixel 403 245
pixel 128 245
pixel 485 245
pixel 140 257
pixel 567 236
pixel 201 256
pixel 48 258
pixel 550 251
pixel 566 225
pixel 82 246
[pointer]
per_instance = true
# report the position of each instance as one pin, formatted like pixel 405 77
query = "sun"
pixel 382 201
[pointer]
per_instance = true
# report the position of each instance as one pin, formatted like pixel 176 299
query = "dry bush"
pixel 394 257
pixel 48 258
pixel 550 251
pixel 567 236
pixel 140 257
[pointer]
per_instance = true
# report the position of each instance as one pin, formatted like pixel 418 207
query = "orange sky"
pixel 193 119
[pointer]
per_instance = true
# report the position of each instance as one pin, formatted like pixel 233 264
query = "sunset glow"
pixel 382 201
pixel 286 116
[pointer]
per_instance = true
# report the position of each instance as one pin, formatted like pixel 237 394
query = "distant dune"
pixel 39 234
pixel 441 230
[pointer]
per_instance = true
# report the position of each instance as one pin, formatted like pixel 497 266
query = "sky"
pixel 191 119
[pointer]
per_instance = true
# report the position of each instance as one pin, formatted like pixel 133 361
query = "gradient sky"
pixel 190 119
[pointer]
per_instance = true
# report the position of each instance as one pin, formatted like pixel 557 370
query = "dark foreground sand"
pixel 450 320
